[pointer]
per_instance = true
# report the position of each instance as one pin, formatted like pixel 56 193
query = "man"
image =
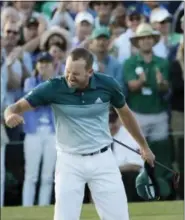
pixel 160 20
pixel 80 102
pixel 103 10
pixel 146 76
pixel 122 43
pixel 84 23
pixel 103 62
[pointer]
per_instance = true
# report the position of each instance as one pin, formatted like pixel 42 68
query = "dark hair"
pixel 62 46
pixel 82 53
pixel 55 34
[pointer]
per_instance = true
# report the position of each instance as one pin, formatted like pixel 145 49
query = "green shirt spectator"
pixel 147 99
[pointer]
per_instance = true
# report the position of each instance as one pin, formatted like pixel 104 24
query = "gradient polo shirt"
pixel 81 117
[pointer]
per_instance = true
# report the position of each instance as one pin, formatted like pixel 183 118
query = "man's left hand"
pixel 148 156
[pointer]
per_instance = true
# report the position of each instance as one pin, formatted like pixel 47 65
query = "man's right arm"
pixel 19 108
pixel 39 96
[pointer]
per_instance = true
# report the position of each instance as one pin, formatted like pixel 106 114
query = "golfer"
pixel 80 102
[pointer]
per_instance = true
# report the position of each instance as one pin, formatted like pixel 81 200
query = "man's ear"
pixel 90 71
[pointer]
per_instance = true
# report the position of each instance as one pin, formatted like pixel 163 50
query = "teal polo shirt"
pixel 81 117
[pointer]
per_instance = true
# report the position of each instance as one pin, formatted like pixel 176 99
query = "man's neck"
pixel 147 56
pixel 101 56
pixel 104 20
pixel 8 50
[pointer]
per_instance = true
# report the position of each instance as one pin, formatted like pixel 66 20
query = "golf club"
pixel 175 174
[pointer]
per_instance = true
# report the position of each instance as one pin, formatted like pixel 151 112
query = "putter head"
pixel 176 179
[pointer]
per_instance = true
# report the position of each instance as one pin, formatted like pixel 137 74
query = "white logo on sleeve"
pixel 30 92
pixel 98 100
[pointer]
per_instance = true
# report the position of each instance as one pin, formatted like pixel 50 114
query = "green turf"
pixel 138 211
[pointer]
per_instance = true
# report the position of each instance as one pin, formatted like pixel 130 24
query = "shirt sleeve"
pixel 40 95
pixel 118 98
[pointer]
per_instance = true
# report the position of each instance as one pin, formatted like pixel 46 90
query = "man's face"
pixel 133 21
pixel 163 27
pixel 30 32
pixel 11 34
pixel 83 29
pixel 45 67
pixel 76 73
pixel 100 44
pixel 146 43
pixel 103 8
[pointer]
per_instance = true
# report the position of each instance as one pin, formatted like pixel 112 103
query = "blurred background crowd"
pixel 139 43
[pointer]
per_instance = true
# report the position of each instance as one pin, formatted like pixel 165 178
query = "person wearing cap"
pixel 103 10
pixel 122 43
pixel 103 62
pixel 84 23
pixel 160 19
pixel 30 30
pixel 147 79
pixel 129 163
pixel 39 143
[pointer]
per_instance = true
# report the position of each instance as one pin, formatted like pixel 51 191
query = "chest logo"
pixel 98 100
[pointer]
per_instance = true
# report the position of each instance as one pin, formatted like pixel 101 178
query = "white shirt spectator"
pixel 124 45
pixel 17 68
pixel 122 154
pixel 63 17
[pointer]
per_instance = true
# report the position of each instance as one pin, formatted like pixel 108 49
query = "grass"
pixel 138 211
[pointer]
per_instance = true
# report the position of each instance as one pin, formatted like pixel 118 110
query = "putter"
pixel 176 175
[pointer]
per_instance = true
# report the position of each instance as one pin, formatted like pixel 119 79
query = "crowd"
pixel 140 44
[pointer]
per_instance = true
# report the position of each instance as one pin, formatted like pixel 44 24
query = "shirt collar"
pixel 140 58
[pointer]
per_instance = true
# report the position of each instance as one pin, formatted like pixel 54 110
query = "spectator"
pixel 146 7
pixel 130 163
pixel 55 35
pixel 160 20
pixel 84 23
pixel 58 52
pixel 119 15
pixel 103 61
pixel 9 14
pixel 103 10
pixel 26 11
pixel 29 32
pixel 18 64
pixel 125 49
pixel 39 140
pixel 177 98
pixel 147 78
pixel 62 18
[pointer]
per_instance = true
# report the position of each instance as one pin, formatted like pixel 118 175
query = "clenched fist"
pixel 14 120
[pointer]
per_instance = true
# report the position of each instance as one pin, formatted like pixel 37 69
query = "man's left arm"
pixel 130 123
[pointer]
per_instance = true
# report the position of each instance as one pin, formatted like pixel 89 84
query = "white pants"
pixel 104 180
pixel 2 173
pixel 154 126
pixel 36 147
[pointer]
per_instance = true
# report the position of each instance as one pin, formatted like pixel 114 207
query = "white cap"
pixel 159 15
pixel 84 16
